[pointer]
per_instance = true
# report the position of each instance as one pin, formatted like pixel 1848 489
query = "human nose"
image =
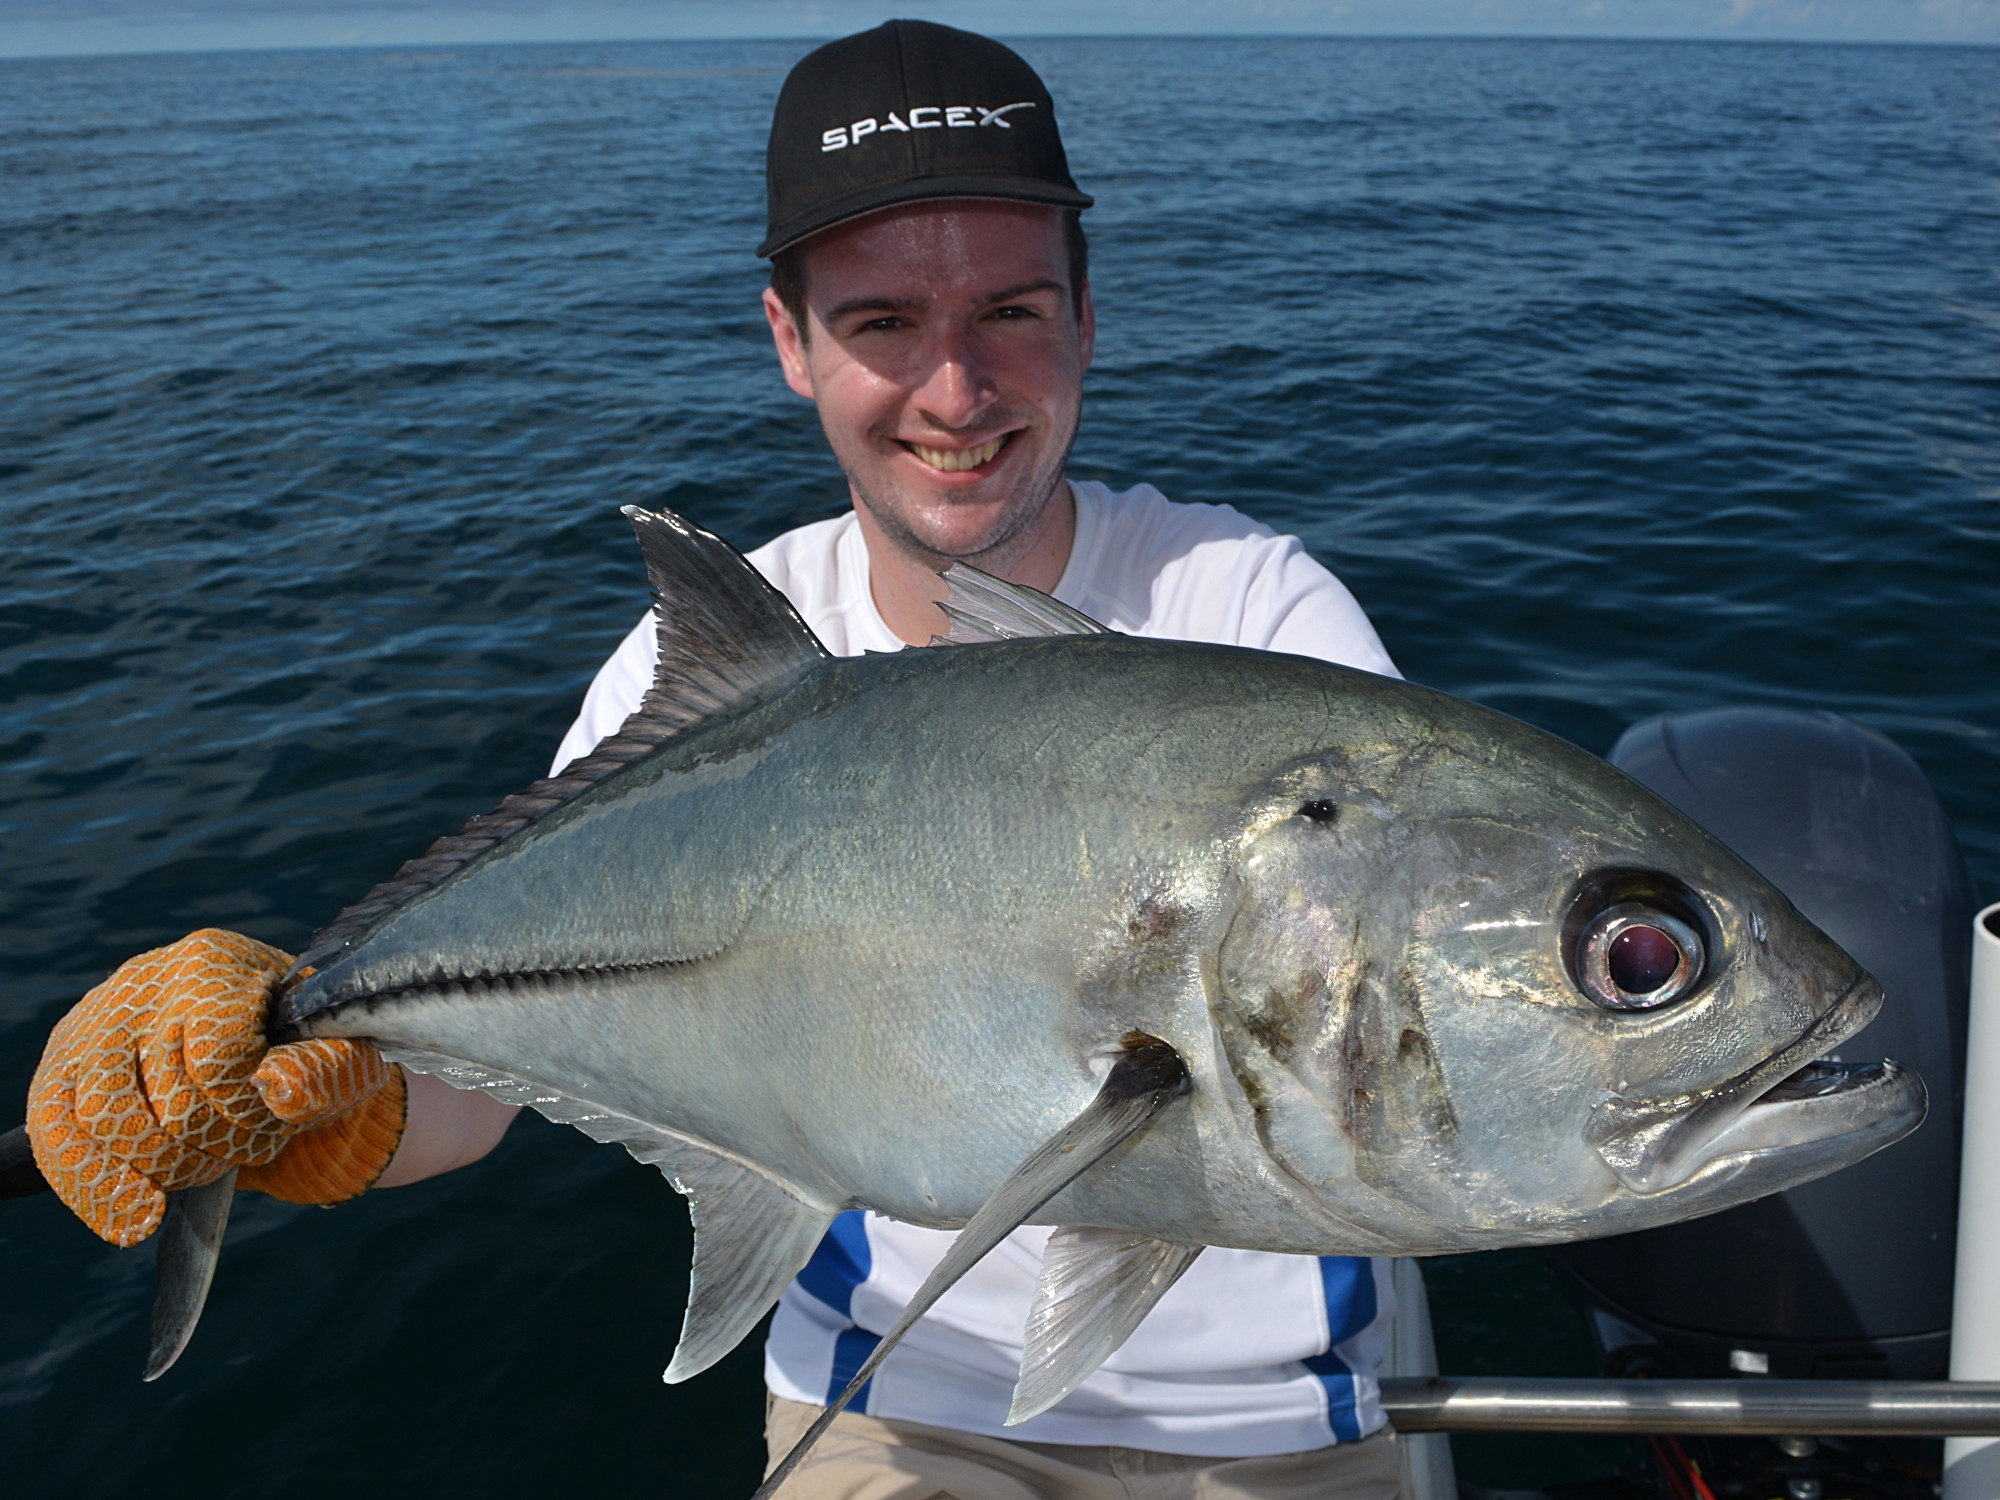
pixel 958 387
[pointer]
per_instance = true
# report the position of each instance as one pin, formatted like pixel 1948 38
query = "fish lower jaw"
pixel 1772 1147
pixel 1788 1136
pixel 1820 1103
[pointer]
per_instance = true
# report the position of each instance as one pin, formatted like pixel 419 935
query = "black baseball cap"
pixel 908 112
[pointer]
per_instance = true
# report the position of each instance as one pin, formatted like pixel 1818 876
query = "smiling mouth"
pixel 958 460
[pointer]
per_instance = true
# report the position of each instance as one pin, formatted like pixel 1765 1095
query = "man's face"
pixel 946 358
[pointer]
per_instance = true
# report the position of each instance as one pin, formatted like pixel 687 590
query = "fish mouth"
pixel 1796 1101
pixel 1835 1111
pixel 1821 1079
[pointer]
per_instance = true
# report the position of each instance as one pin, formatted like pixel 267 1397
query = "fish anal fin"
pixel 753 1234
pixel 983 608
pixel 1097 1286
pixel 1146 1077
pixel 751 1237
pixel 727 640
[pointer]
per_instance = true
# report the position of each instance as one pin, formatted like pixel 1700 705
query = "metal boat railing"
pixel 1813 1408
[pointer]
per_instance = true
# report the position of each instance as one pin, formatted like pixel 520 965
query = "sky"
pixel 30 28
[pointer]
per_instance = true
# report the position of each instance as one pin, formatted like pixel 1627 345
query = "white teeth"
pixel 957 461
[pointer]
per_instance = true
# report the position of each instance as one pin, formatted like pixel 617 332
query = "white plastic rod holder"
pixel 1972 1465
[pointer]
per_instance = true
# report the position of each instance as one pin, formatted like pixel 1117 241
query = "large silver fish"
pixel 1174 945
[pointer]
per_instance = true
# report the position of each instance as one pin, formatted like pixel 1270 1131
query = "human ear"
pixel 790 342
pixel 1086 326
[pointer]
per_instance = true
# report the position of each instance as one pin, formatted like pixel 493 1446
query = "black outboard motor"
pixel 1850 1276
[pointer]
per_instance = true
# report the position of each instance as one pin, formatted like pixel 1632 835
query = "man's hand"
pixel 160 1079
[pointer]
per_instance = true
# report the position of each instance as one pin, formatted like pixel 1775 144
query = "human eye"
pixel 872 321
pixel 1012 320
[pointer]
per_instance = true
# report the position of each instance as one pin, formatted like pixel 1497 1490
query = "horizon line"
pixel 340 45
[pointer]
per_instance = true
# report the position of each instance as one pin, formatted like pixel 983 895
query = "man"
pixel 929 295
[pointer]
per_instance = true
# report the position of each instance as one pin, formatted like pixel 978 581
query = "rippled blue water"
pixel 1614 378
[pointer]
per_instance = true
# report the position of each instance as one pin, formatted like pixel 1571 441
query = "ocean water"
pixel 1614 378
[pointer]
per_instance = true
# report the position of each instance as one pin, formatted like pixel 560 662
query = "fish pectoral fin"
pixel 984 608
pixel 1143 1079
pixel 1097 1286
pixel 752 1233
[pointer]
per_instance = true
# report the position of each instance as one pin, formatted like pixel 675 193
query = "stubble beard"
pixel 1010 537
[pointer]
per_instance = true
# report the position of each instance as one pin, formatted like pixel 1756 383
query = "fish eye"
pixel 1634 956
pixel 1319 810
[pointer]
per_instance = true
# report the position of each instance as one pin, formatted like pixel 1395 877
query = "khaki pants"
pixel 868 1458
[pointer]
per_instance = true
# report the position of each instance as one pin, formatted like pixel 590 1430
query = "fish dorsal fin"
pixel 1144 1079
pixel 984 608
pixel 752 1234
pixel 1097 1286
pixel 727 640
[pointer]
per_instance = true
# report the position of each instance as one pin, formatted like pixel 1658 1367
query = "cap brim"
pixel 922 190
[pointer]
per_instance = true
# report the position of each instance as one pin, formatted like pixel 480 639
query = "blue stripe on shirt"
pixel 1348 1282
pixel 850 1353
pixel 840 1264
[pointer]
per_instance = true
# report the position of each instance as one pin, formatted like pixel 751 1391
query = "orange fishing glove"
pixel 160 1079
